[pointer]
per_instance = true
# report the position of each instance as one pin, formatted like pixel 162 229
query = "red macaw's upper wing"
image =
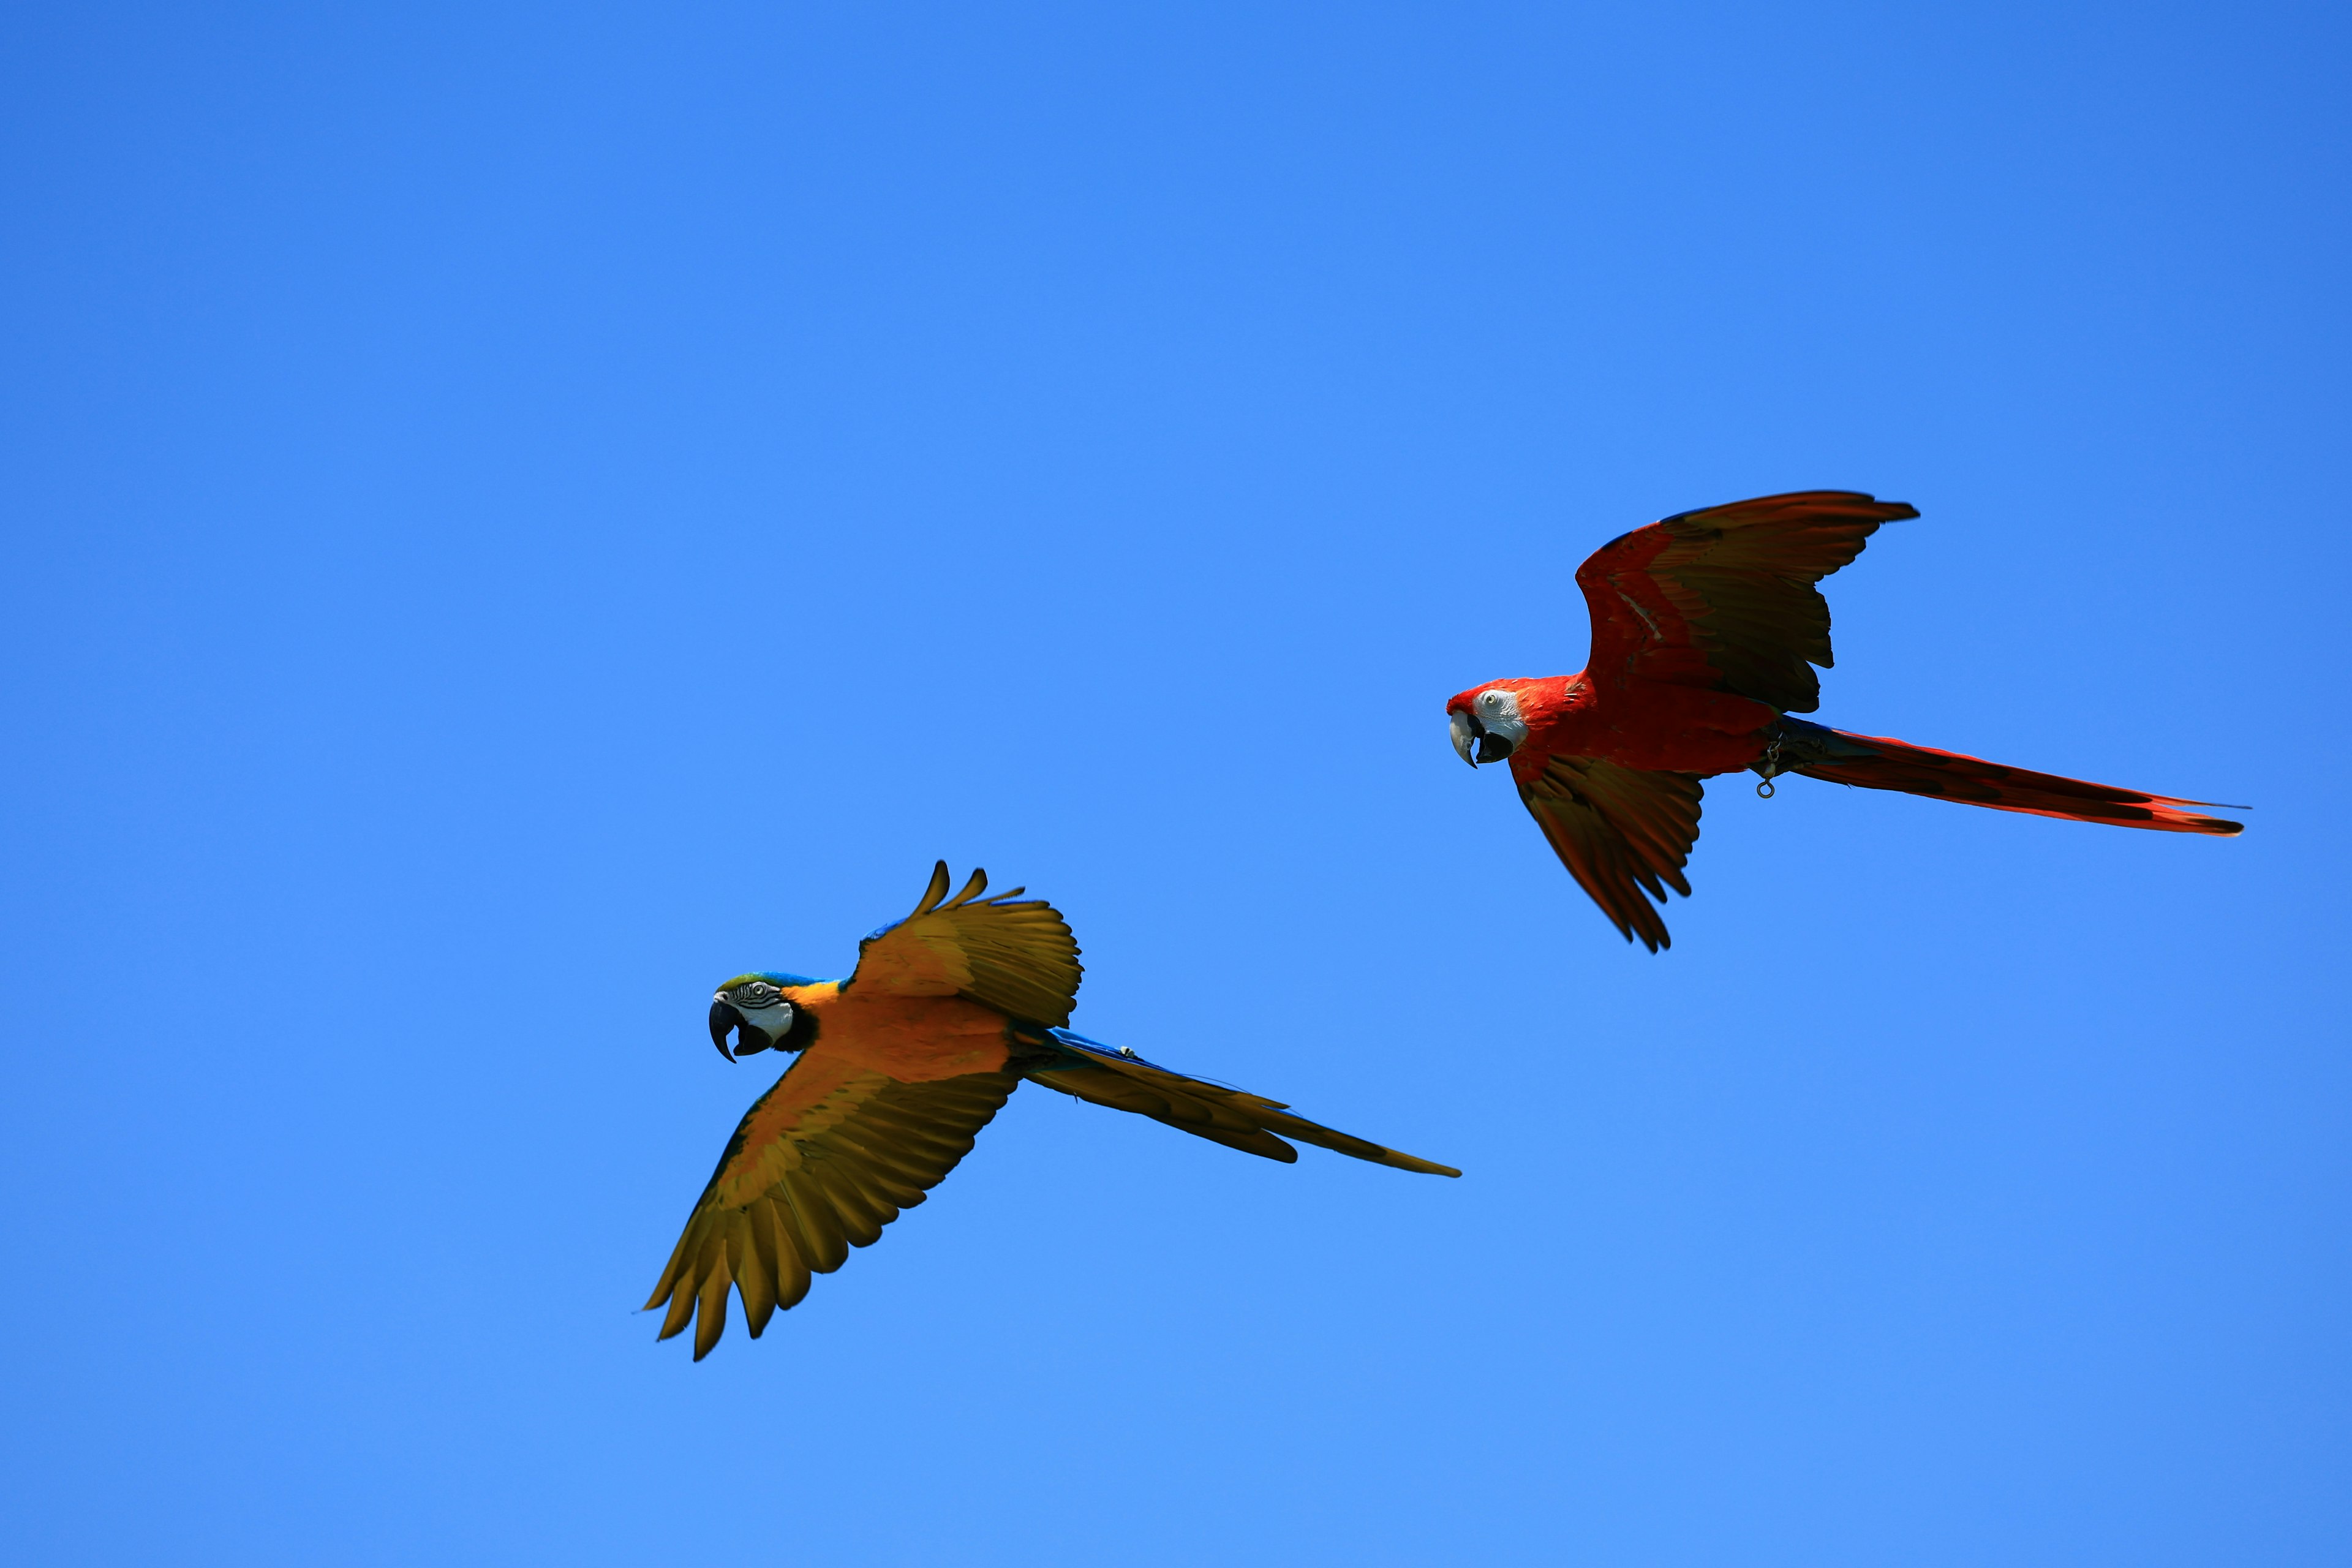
pixel 1725 597
pixel 1017 957
pixel 1094 1072
pixel 820 1163
pixel 1622 833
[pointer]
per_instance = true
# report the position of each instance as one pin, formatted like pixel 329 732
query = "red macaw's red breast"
pixel 1661 725
pixel 1666 727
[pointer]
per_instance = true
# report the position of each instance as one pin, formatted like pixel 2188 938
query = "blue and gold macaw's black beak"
pixel 756 1010
pixel 755 1029
pixel 726 1018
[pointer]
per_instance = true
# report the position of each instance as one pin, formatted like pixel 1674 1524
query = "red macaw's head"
pixel 1490 722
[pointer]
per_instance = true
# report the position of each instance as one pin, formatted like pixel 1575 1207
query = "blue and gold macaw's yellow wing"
pixel 1097 1073
pixel 1011 953
pixel 820 1164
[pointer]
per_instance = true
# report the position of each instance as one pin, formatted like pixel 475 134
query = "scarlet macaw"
pixel 1705 629
pixel 899 1068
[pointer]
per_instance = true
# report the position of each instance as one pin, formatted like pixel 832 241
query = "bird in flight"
pixel 898 1069
pixel 1706 628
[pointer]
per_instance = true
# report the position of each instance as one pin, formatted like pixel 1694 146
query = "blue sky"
pixel 516 514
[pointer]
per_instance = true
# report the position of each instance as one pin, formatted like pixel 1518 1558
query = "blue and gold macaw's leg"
pixel 1101 1075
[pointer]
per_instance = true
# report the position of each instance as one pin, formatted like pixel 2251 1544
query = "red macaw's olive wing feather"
pixel 1725 597
pixel 1622 833
pixel 820 1164
pixel 1097 1074
pixel 1012 954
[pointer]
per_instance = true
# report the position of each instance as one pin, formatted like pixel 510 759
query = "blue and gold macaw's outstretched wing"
pixel 1011 953
pixel 1102 1076
pixel 820 1164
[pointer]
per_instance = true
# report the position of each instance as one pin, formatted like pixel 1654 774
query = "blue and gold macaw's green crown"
pixel 772 976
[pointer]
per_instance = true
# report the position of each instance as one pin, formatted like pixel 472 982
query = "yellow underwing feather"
pixel 1014 954
pixel 820 1163
pixel 713 1306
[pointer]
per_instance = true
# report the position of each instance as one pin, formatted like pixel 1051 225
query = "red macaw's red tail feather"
pixel 1875 761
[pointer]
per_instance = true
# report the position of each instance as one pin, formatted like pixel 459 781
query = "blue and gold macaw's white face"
pixel 758 1011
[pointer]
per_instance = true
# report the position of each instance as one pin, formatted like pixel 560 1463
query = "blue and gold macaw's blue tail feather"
pixel 1072 1064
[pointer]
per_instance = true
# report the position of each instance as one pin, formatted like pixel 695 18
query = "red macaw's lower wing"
pixel 820 1164
pixel 1622 833
pixel 1096 1073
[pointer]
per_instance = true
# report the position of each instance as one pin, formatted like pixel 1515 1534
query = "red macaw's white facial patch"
pixel 1488 728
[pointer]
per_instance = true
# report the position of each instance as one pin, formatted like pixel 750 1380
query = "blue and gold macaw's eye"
pixel 757 994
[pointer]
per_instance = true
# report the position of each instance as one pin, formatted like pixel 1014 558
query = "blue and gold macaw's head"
pixel 758 1010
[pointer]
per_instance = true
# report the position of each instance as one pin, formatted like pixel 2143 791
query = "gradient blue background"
pixel 514 514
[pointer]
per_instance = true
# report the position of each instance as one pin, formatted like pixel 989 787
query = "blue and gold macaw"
pixel 899 1067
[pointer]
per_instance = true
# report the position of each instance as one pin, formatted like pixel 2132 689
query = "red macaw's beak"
pixel 1473 742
